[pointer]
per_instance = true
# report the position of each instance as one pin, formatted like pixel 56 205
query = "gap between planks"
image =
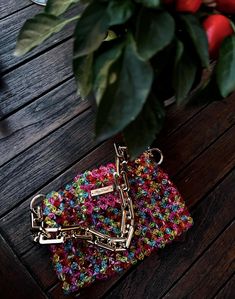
pixel 191 280
pixel 12 12
pixel 10 30
pixel 39 119
pixel 227 289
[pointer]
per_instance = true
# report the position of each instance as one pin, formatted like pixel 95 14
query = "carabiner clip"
pixel 155 149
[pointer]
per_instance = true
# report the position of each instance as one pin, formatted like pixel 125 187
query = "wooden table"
pixel 46 137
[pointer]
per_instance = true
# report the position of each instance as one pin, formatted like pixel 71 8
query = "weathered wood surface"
pixel 213 266
pixel 46 137
pixel 16 282
pixel 227 291
pixel 12 6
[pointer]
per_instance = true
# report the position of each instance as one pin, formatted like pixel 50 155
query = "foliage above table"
pixel 134 54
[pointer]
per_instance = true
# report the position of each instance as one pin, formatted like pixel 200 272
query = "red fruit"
pixel 191 6
pixel 217 28
pixel 226 6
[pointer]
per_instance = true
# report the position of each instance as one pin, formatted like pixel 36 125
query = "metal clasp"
pixel 155 149
pixel 36 212
pixel 50 236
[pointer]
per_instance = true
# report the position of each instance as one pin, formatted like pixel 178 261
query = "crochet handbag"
pixel 108 218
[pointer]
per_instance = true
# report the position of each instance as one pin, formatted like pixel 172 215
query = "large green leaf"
pixel 102 64
pixel 198 37
pixel 225 70
pixel 184 72
pixel 150 3
pixel 155 30
pixel 141 133
pixel 120 11
pixel 58 7
pixel 37 30
pixel 91 29
pixel 129 84
pixel 83 71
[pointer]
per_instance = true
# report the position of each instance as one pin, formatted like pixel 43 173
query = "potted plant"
pixel 132 55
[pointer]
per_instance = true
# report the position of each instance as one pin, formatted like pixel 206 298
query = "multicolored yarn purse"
pixel 107 219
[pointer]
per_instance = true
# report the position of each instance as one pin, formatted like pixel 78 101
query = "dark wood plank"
pixel 96 290
pixel 210 272
pixel 33 122
pixel 200 131
pixel 10 27
pixel 36 77
pixel 176 117
pixel 47 159
pixel 37 260
pixel 15 280
pixel 227 292
pixel 153 277
pixel 203 173
pixel 12 6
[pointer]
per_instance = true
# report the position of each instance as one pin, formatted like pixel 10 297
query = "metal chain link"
pixel 48 235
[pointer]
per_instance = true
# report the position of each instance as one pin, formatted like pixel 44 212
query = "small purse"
pixel 108 218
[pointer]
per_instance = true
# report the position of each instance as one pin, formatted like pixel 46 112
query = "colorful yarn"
pixel 160 217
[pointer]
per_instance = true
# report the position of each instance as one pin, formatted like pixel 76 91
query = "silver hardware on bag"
pixel 58 235
pixel 157 150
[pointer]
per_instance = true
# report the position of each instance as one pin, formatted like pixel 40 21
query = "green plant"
pixel 133 55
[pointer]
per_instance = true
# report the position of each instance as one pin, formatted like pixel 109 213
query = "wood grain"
pixel 158 272
pixel 10 28
pixel 206 171
pixel 206 276
pixel 36 166
pixel 35 77
pixel 176 117
pixel 12 6
pixel 227 292
pixel 199 132
pixel 15 281
pixel 38 119
pixel 96 290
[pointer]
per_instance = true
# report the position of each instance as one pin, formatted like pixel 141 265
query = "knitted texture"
pixel 160 217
